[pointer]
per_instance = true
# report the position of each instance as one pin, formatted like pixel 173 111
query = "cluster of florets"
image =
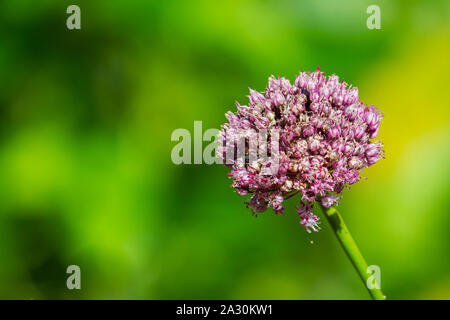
pixel 324 134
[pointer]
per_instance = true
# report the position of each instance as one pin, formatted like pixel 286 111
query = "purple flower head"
pixel 322 142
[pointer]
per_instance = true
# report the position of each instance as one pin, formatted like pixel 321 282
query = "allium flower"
pixel 324 134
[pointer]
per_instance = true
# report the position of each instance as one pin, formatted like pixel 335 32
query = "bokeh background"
pixel 86 176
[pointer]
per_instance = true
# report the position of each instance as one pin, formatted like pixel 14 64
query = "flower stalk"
pixel 351 249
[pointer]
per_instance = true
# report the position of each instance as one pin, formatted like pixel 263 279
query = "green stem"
pixel 351 249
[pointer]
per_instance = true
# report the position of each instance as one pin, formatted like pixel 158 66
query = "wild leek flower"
pixel 324 138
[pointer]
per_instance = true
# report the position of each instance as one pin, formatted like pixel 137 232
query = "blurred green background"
pixel 86 176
